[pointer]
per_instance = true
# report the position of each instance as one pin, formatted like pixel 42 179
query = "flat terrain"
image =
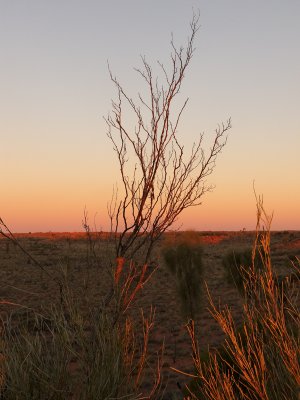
pixel 72 257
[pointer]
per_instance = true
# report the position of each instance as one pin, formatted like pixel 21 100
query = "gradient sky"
pixel 55 157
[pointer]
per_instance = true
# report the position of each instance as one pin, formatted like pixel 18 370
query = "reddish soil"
pixel 24 283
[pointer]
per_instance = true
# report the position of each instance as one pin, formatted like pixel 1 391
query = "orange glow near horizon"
pixel 58 215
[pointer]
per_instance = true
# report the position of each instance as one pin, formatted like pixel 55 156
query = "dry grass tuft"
pixel 262 359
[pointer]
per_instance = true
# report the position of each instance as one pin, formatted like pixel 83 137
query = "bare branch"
pixel 159 180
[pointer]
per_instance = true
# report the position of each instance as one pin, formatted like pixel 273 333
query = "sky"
pixel 55 157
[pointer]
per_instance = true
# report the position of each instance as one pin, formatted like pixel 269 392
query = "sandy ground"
pixel 67 254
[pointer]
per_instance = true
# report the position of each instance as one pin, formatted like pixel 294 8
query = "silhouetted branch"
pixel 159 180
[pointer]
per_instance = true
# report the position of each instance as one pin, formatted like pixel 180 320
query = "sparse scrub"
pixel 262 360
pixel 72 350
pixel 79 352
pixel 99 353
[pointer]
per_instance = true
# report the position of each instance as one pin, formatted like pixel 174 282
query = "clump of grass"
pixel 74 355
pixel 184 261
pixel 35 362
pixel 80 353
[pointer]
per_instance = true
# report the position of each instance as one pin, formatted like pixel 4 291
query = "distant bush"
pixel 184 261
pixel 236 265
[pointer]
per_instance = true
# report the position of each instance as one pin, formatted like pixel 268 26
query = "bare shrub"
pixel 159 180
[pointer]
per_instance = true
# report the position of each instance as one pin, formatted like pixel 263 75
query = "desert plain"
pixel 85 265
